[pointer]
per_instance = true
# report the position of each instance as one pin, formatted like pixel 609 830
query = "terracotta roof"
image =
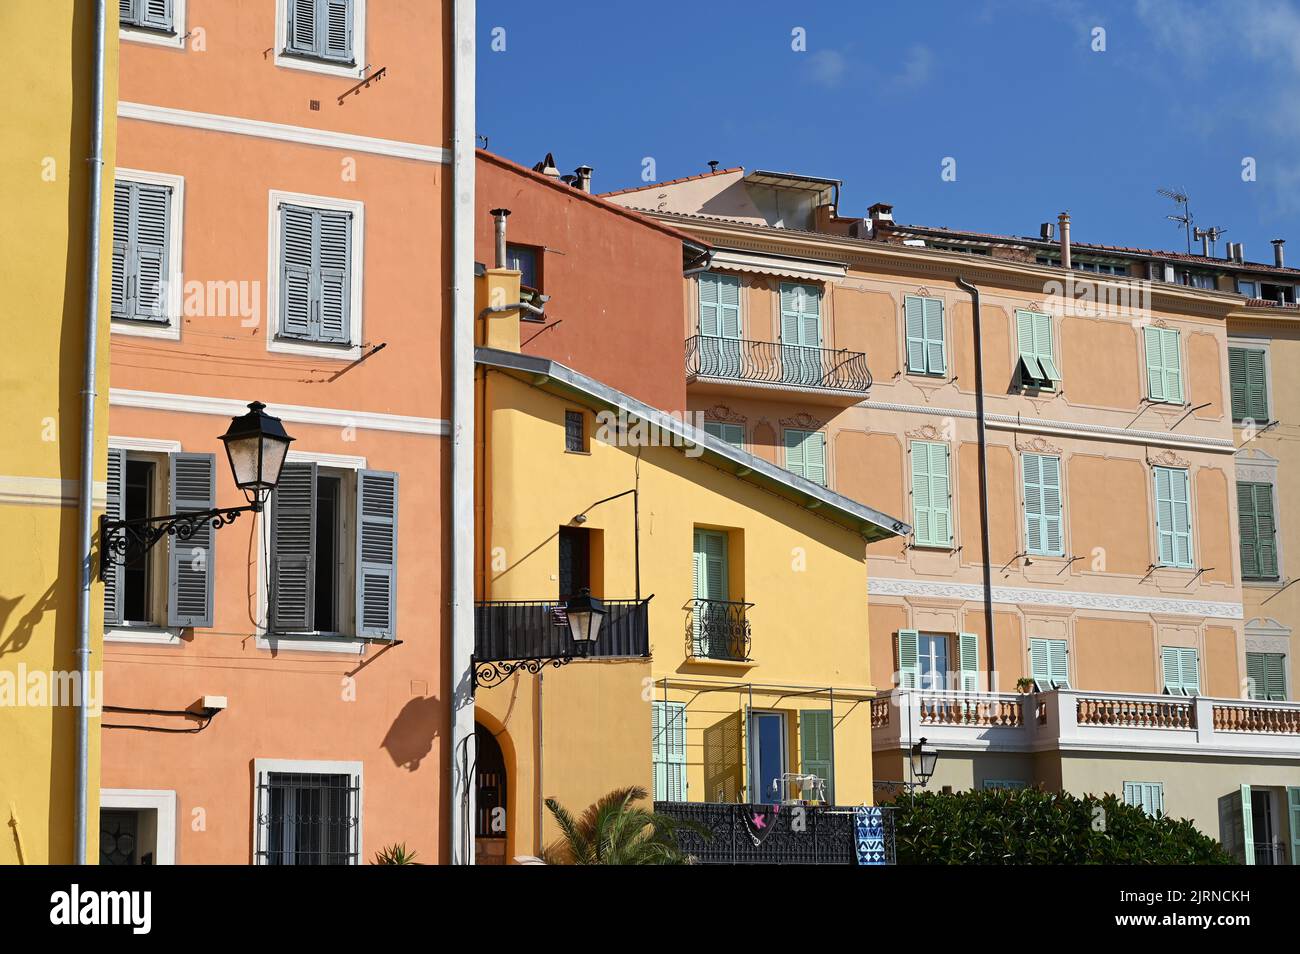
pixel 658 185
pixel 569 190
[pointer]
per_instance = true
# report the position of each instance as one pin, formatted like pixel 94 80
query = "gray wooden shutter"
pixel 189 562
pixel 293 549
pixel 120 307
pixel 113 508
pixel 149 228
pixel 300 33
pixel 335 30
pixel 376 553
pixel 332 280
pixel 156 14
pixel 297 234
pixel 126 11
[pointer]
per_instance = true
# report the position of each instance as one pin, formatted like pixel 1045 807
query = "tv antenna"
pixel 1208 239
pixel 1185 220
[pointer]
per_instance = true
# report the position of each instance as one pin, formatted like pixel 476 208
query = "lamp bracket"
pixel 122 542
pixel 492 672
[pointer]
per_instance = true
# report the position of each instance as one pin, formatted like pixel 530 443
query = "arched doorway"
pixel 490 798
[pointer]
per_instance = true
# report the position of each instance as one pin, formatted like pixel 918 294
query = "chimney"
pixel 547 167
pixel 882 213
pixel 1238 252
pixel 1202 236
pixel 1047 231
pixel 499 219
pixel 583 174
pixel 1278 258
pixel 1064 219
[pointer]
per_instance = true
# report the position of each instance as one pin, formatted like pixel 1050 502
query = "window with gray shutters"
pixel 320 29
pixel 141 251
pixel 315 274
pixel 156 15
pixel 333 567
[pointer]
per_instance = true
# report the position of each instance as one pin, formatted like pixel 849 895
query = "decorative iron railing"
pixel 768 362
pixel 736 834
pixel 718 629
pixel 532 629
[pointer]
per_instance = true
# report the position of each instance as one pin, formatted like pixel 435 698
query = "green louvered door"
pixel 801 334
pixel 1173 517
pixel 816 749
pixel 719 341
pixel 1042 495
pixel 712 632
pixel 668 724
pixel 931 506
pixel 1293 817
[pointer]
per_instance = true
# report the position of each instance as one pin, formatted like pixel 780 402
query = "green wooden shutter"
pixel 1256 675
pixel 1182 675
pixel 1293 813
pixel 914 326
pixel 376 575
pixel 1040 663
pixel 815 747
pixel 1248 383
pixel 935 357
pixel 931 506
pixel 1025 344
pixel 668 725
pixel 1043 347
pixel 968 652
pixel 733 434
pixel 111 573
pixel 1275 677
pixel 801 333
pixel 1164 365
pixel 794 450
pixel 190 567
pixel 1237 383
pixel 1173 517
pixel 293 549
pixel 297 272
pixel 805 454
pixel 1148 796
pixel 909 658
pixel 1042 495
pixel 332 276
pixel 1155 365
pixel 1059 663
pixel 1247 825
pixel 1034 343
pixel 1257 531
pixel 711 587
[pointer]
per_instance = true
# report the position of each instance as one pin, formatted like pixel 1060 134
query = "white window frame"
pixel 175 273
pixel 263 767
pixel 161 801
pixel 1253 344
pixel 344 352
pixel 350 645
pixel 150 633
pixel 176 40
pixel 299 62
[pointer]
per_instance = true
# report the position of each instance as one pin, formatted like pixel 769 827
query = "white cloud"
pixel 918 67
pixel 828 68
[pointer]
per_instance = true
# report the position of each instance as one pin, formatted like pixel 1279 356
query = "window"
pixel 1266 673
pixel 524 259
pixel 805 454
pixel 923 318
pixel 1148 796
pixel 575 561
pixel 1248 382
pixel 169 585
pixel 575 432
pixel 713 635
pixel 320 29
pixel 1182 677
pixel 1014 784
pixel 308 813
pixel 668 725
pixel 932 661
pixel 801 333
pixel 333 552
pixel 315 285
pixel 1036 365
pixel 157 17
pixel 719 306
pixel 931 503
pixel 733 434
pixel 1173 517
pixel 146 283
pixel 816 749
pixel 1049 663
pixel 924 661
pixel 767 754
pixel 1042 487
pixel 1249 289
pixel 1257 531
pixel 1282 294
pixel 1164 367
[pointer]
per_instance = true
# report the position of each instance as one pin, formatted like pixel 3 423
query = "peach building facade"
pixel 1115 573
pixel 283 190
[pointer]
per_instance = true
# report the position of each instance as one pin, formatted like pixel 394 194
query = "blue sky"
pixel 1036 119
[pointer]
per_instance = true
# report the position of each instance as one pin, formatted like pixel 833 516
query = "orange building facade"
pixel 275 688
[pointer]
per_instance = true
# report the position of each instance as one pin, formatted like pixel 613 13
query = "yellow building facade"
pixel 45 186
pixel 735 666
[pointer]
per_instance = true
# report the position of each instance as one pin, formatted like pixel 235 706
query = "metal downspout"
pixel 461 751
pixel 86 487
pixel 984 476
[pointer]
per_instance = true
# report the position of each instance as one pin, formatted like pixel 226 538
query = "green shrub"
pixel 1033 827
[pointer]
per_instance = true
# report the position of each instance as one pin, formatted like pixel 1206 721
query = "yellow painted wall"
pixel 44 186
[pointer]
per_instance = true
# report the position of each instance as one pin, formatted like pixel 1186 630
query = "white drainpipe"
pixel 461 748
pixel 86 488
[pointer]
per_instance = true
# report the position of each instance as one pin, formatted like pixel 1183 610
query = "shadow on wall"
pixel 15 640
pixel 410 738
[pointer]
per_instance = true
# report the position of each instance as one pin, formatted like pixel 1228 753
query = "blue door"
pixel 767 756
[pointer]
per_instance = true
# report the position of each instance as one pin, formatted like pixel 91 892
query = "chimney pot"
pixel 499 217
pixel 881 212
pixel 1047 231
pixel 1278 258
pixel 1064 220
pixel 583 174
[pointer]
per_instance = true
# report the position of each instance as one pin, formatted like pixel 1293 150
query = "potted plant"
pixel 1024 685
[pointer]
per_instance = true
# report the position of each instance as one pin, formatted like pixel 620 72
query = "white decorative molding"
pixel 1037 445
pixel 294 413
pixel 1111 602
pixel 1040 425
pixel 303 135
pixel 1167 458
pixel 160 801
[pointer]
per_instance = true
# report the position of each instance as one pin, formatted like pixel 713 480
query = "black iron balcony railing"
pixel 718 629
pixel 767 362
pixel 725 834
pixel 534 629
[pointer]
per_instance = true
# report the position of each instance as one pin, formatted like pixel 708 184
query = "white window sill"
pixel 170 330
pixel 340 352
pixel 312 644
pixel 175 40
pixel 153 635
pixel 312 65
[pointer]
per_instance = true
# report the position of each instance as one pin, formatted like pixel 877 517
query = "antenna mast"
pixel 1185 219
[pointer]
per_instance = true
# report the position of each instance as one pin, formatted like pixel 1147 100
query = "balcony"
pixel 735 365
pixel 718 630
pixel 1069 719
pixel 732 834
pixel 533 629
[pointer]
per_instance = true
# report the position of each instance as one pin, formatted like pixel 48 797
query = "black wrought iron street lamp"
pixel 256 446
pixel 584 614
pixel 923 759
